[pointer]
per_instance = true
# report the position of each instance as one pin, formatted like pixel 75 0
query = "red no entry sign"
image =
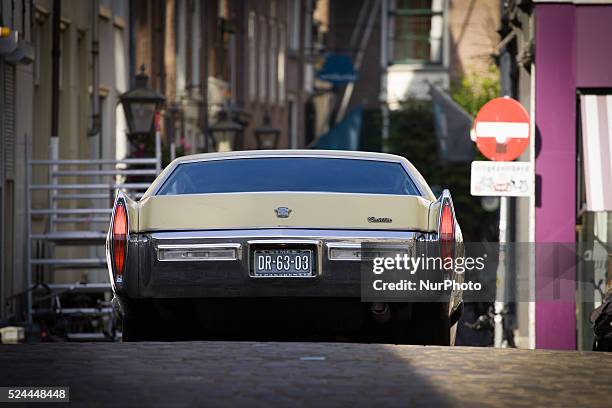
pixel 502 129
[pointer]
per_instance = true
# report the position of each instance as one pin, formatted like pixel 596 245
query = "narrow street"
pixel 305 193
pixel 310 374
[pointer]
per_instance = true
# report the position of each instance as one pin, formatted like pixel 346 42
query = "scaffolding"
pixel 70 239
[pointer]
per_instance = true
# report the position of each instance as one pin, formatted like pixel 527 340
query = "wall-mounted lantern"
pixel 267 135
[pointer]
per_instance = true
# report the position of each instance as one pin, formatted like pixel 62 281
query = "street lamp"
pixel 267 135
pixel 225 132
pixel 139 105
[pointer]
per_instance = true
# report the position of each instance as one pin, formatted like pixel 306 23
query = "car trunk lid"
pixel 285 210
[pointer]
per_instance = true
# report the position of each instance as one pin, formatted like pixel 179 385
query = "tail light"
pixel 119 238
pixel 447 231
pixel 447 223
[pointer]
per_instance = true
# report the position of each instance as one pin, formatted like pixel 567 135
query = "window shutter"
pixel 9 121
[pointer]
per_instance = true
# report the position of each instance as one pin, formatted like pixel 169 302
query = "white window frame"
pixel 120 59
pixel 439 32
pixel 293 24
pixel 180 38
pixel 292 122
pixel 64 61
pixel 252 41
pixel 195 46
pixel 282 57
pixel 273 55
pixel 38 27
pixel 263 60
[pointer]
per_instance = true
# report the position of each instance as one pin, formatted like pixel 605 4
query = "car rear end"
pixel 218 247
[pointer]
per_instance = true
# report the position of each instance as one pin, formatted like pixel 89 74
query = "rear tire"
pixel 431 324
pixel 141 322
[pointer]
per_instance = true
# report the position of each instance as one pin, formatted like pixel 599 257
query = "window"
pixel 252 56
pixel 299 174
pixel 196 21
pixel 292 123
pixel 293 23
pixel 181 45
pixel 223 7
pixel 263 47
pixel 9 91
pixel 308 68
pixel 418 31
pixel 121 58
pixel 64 63
pixel 308 27
pixel 273 52
pixel 282 45
pixel 37 52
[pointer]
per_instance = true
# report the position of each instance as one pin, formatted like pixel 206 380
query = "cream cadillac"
pixel 267 245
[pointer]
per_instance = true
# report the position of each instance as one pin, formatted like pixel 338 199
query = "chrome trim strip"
pixel 342 245
pixel 248 229
pixel 236 247
pixel 293 155
pixel 349 245
pixel 284 241
pixel 282 233
pixel 198 246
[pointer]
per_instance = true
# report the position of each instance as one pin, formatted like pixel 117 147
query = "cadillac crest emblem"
pixel 282 212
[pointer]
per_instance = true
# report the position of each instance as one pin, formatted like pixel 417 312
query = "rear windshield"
pixel 289 174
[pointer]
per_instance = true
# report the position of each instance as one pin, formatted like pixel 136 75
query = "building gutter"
pixel 95 72
pixel 55 75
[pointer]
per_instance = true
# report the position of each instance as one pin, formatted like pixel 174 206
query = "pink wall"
pixel 594 46
pixel 573 50
pixel 555 164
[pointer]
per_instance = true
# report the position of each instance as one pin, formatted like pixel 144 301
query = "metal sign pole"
pixel 502 130
pixel 501 272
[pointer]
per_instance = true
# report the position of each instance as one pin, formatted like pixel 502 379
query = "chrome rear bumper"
pixel 182 264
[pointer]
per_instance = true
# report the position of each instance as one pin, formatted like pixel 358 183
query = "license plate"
pixel 282 263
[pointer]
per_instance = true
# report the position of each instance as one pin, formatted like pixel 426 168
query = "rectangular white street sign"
pixel 497 178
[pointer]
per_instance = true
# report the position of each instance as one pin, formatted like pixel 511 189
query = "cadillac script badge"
pixel 386 220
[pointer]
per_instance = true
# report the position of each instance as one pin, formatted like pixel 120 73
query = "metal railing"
pixel 75 214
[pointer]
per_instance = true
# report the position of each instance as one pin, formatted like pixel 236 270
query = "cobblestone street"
pixel 309 374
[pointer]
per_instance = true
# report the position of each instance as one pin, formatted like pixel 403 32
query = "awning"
pixel 596 118
pixel 337 69
pixel 345 135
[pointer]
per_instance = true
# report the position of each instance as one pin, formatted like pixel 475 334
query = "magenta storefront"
pixel 573 55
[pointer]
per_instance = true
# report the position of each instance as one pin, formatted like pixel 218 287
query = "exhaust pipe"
pixel 380 312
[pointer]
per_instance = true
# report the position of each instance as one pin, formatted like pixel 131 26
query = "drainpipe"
pixel 94 130
pixel 95 140
pixel 55 74
pixel 384 67
pixel 96 148
pixel 204 32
